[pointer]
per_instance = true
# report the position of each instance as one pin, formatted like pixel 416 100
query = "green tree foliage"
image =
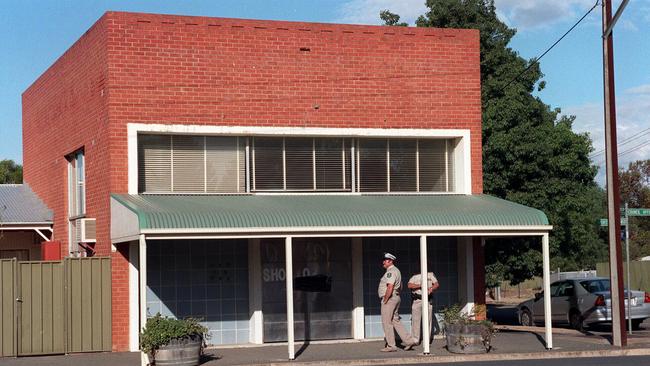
pixel 530 153
pixel 635 190
pixel 10 172
pixel 391 18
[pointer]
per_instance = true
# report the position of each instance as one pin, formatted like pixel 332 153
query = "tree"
pixel 530 153
pixel 10 172
pixel 391 19
pixel 635 191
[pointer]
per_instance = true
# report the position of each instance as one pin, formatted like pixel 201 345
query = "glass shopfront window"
pixel 322 289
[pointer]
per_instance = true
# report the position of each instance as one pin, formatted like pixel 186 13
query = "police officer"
pixel 390 286
pixel 415 285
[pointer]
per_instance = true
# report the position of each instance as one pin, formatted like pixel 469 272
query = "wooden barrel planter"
pixel 468 338
pixel 180 352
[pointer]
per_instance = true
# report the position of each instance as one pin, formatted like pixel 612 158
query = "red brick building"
pixel 132 112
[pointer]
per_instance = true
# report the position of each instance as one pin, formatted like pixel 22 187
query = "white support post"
pixel 256 327
pixel 134 295
pixel 358 326
pixel 144 358
pixel 289 281
pixel 466 280
pixel 547 292
pixel 424 286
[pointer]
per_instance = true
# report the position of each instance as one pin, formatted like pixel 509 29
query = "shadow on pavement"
pixel 302 349
pixel 208 357
pixel 502 314
pixel 538 336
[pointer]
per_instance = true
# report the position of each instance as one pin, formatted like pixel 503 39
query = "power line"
pixel 634 148
pixel 629 150
pixel 536 60
pixel 629 139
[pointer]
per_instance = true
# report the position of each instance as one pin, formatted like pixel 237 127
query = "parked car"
pixel 582 301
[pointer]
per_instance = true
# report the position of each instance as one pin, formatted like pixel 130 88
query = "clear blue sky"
pixel 35 33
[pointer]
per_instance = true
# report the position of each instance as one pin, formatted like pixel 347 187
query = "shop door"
pixel 322 271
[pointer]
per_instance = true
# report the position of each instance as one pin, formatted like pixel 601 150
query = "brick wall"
pixel 66 109
pixel 212 71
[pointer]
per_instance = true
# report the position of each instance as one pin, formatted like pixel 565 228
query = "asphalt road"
pixel 602 361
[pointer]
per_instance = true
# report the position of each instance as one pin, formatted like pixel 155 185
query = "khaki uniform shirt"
pixel 392 276
pixel 417 280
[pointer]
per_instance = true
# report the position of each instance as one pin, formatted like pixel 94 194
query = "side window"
pixel 566 289
pixel 76 184
pixel 591 286
pixel 554 288
pixel 76 199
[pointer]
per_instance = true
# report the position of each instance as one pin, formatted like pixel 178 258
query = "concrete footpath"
pixel 510 343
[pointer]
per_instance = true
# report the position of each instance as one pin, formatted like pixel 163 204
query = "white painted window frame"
pixel 462 171
pixel 74 196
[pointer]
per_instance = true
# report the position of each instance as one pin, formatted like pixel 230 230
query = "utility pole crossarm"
pixel 619 11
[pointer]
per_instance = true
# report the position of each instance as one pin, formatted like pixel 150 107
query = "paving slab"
pixel 509 343
pixel 506 342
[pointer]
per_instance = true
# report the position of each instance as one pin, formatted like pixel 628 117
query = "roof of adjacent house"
pixel 292 213
pixel 20 205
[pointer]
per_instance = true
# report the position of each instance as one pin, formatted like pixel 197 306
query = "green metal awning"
pixel 286 214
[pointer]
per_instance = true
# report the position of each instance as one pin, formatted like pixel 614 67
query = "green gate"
pixel 40 308
pixel 9 330
pixel 50 307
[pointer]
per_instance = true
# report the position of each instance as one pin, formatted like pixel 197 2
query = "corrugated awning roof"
pixel 320 213
pixel 20 205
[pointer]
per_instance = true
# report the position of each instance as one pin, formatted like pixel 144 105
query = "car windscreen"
pixel 595 285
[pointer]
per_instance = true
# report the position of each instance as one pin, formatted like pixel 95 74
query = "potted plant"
pixel 170 341
pixel 467 333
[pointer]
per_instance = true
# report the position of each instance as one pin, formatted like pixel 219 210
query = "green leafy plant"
pixel 160 330
pixel 454 317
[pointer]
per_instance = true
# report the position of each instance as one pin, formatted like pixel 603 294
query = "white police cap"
pixel 389 256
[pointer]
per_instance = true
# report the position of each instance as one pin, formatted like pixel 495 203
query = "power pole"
pixel 613 195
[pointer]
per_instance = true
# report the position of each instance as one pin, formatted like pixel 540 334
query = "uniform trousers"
pixel 416 319
pixel 390 321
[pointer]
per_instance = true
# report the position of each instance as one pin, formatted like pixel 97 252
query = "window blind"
pixel 373 172
pixel 403 163
pixel 154 163
pixel 268 165
pixel 332 164
pixel 299 157
pixel 432 165
pixel 191 164
pixel 451 147
pixel 188 158
pixel 217 164
pixel 225 163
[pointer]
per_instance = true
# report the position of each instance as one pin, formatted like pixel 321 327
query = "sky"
pixel 33 34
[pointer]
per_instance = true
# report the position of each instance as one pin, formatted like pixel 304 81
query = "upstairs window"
pixel 76 200
pixel 372 165
pixel 76 185
pixel 191 164
pixel 405 165
pixel 300 164
pixel 239 164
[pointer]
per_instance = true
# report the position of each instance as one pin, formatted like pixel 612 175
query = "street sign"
pixel 603 222
pixel 638 211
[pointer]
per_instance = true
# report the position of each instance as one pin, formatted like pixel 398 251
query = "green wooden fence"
pixel 50 307
pixel 8 329
pixel 639 274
